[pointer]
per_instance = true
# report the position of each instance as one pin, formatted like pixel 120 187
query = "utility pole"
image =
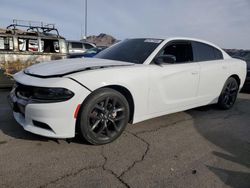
pixel 86 18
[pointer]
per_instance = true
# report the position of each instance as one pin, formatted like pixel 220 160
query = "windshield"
pixel 130 50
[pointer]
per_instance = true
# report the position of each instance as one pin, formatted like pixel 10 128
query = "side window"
pixel 56 46
pixel 76 45
pixel 50 46
pixel 26 44
pixel 88 46
pixel 181 50
pixel 204 52
pixel 218 54
pixel 22 44
pixel 6 43
pixel 33 45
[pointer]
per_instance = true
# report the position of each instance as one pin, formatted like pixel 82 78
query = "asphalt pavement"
pixel 202 147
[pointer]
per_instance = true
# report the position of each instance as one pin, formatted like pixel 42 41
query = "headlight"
pixel 42 94
pixel 52 94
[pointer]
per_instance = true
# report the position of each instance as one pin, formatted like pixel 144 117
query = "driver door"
pixel 173 87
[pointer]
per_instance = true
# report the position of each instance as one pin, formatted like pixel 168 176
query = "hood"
pixel 64 67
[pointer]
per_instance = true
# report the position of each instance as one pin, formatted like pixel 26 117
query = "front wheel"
pixel 104 116
pixel 229 94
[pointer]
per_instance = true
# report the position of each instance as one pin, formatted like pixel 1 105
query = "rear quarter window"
pixel 205 52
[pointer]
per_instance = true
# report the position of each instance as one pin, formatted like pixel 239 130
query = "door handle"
pixel 194 73
pixel 224 67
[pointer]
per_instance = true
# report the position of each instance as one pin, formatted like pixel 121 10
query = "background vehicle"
pixel 20 49
pixel 88 53
pixel 94 51
pixel 79 46
pixel 132 81
pixel 247 59
pixel 243 55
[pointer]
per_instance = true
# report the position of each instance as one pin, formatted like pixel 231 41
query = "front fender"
pixel 135 80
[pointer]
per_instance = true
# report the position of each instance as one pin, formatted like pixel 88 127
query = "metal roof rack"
pixel 36 26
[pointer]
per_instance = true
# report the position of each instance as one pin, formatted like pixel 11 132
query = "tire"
pixel 229 94
pixel 103 116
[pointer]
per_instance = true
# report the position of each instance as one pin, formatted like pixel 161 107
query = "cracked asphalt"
pixel 202 147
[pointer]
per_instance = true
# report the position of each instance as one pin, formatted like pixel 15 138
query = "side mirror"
pixel 169 59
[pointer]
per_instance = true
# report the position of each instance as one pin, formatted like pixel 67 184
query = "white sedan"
pixel 132 81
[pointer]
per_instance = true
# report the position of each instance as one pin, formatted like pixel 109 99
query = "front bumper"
pixel 55 120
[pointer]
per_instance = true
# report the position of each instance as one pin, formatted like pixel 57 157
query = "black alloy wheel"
pixel 104 116
pixel 229 94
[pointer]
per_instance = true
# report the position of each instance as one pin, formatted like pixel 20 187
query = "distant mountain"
pixel 101 40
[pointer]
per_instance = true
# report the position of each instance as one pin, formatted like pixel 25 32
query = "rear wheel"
pixel 104 116
pixel 229 94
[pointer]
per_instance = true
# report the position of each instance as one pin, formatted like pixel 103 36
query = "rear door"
pixel 174 87
pixel 213 70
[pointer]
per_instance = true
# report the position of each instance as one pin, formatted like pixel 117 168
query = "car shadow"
pixel 225 132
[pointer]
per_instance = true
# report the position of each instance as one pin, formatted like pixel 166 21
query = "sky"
pixel 223 22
